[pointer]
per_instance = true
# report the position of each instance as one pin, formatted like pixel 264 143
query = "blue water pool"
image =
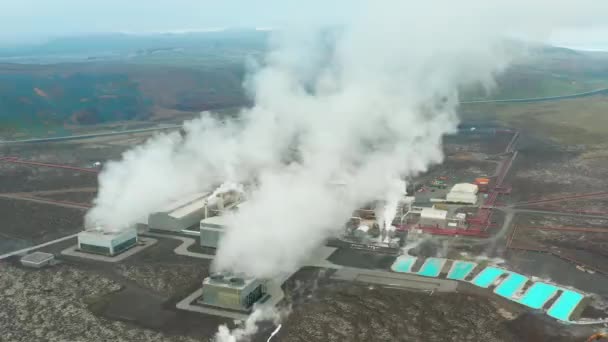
pixel 564 305
pixel 537 295
pixel 486 277
pixel 509 286
pixel 461 269
pixel 431 267
pixel 404 264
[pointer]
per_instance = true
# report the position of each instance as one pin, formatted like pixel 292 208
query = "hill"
pixel 69 83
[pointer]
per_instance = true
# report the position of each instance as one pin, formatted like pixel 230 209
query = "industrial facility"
pixel 364 226
pixel 189 211
pixel 97 241
pixel 212 229
pixel 180 214
pixel 464 193
pixel 232 292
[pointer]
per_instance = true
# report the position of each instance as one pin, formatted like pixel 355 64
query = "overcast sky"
pixel 24 20
pixel 38 18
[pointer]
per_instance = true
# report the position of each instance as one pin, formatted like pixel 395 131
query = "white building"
pixel 37 259
pixel 212 229
pixel 106 243
pixel 181 214
pixel 465 193
pixel 431 217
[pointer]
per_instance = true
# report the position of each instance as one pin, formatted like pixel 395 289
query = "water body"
pixel 432 267
pixel 488 276
pixel 461 269
pixel 509 287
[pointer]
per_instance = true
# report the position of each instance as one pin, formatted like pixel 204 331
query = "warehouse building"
pixel 106 243
pixel 465 193
pixel 37 259
pixel 431 217
pixel 212 229
pixel 180 214
pixel 190 210
pixel 232 292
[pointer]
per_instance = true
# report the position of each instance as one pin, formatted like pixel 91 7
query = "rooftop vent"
pixel 237 281
pixel 217 277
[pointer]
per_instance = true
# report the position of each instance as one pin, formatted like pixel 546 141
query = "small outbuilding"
pixel 37 259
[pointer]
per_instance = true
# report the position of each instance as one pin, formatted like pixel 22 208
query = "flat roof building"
pixel 180 214
pixel 212 229
pixel 432 217
pixel 37 259
pixel 232 292
pixel 107 243
pixel 190 210
pixel 463 193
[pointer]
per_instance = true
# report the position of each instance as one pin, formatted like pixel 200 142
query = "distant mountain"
pixel 87 80
pixel 124 44
pixel 105 78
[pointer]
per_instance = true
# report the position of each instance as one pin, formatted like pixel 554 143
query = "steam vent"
pixel 232 292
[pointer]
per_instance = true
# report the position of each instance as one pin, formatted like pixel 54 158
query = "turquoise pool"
pixel 404 264
pixel 461 269
pixel 486 277
pixel 565 304
pixel 509 286
pixel 431 267
pixel 537 295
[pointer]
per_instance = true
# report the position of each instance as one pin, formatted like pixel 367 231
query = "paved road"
pixel 396 280
pixel 86 136
pixel 543 99
pixel 25 250
pixel 183 248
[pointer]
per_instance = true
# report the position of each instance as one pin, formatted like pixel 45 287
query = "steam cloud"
pixel 250 326
pixel 366 103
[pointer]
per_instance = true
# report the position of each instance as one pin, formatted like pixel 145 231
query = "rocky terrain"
pixel 353 312
pixel 52 305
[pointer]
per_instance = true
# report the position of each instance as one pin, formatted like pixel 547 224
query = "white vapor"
pixel 367 102
pixel 250 326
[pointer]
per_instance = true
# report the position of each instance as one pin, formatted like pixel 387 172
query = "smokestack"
pixel 220 201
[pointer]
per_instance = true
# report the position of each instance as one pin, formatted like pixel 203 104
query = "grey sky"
pixel 36 18
pixel 25 20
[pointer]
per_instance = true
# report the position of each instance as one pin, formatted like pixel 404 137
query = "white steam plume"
pixel 250 326
pixel 366 101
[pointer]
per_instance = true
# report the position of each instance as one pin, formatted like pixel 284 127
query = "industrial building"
pixel 232 291
pixel 483 184
pixel 431 217
pixel 97 241
pixel 37 259
pixel 190 210
pixel 180 214
pixel 212 229
pixel 465 193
